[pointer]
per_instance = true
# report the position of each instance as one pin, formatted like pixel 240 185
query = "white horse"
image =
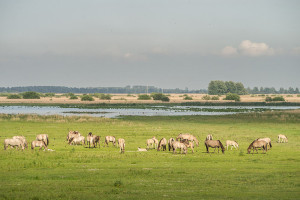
pixel 90 139
pixel 187 136
pixel 209 137
pixel 140 149
pixel 72 134
pixel 232 144
pixel 13 143
pixel 40 144
pixel 170 143
pixel 162 144
pixel 121 143
pixel 77 140
pixel 155 142
pixel 23 140
pixel 110 139
pixel 150 142
pixel 43 137
pixel 268 140
pixel 282 138
pixel 181 146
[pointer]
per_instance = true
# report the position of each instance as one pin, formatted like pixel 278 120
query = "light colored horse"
pixel 90 139
pixel 72 134
pixel 110 139
pixel 209 137
pixel 214 144
pixel 170 142
pixel 188 144
pixel 179 145
pixel 13 143
pixel 187 136
pixel 258 144
pixel 23 140
pixel 150 142
pixel 268 140
pixel 43 137
pixel 40 144
pixel 162 143
pixel 121 143
pixel 140 149
pixel 282 138
pixel 232 144
pixel 155 142
pixel 77 140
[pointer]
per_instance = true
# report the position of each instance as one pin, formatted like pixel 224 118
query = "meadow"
pixel 77 172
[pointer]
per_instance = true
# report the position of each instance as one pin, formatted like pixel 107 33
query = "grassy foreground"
pixel 76 172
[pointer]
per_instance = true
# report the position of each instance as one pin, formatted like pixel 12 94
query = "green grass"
pixel 76 172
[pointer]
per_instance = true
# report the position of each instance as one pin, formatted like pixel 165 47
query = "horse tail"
pixel 47 141
pixel 206 145
pixel 270 144
pixel 159 145
pixel 4 145
pixel 32 147
pixel 223 148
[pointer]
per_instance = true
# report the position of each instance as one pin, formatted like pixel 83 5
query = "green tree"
pixel 231 96
pixel 217 88
pixel 231 87
pixel 31 95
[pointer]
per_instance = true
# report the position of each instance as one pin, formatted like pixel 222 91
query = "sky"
pixel 162 43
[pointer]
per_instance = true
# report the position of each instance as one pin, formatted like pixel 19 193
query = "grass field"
pixel 76 172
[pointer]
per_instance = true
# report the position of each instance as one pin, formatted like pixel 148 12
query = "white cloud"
pixel 249 48
pixel 229 51
pixel 134 57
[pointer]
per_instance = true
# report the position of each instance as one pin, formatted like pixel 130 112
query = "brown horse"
pixel 162 143
pixel 214 144
pixel 268 140
pixel 43 137
pixel 258 144
pixel 90 139
pixel 188 144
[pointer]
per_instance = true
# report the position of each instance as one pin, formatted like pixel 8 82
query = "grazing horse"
pixel 181 146
pixel 13 143
pixel 170 142
pixel 43 137
pixel 268 140
pixel 110 139
pixel 77 140
pixel 209 137
pixel 258 144
pixel 188 144
pixel 232 144
pixel 72 134
pixel 121 143
pixel 40 144
pixel 214 144
pixel 187 136
pixel 282 138
pixel 150 142
pixel 23 140
pixel 162 143
pixel 155 142
pixel 96 140
pixel 140 149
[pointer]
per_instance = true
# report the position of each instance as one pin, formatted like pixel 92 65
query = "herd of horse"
pixel 183 141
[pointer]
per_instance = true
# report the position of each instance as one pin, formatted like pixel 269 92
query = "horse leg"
pixel 231 148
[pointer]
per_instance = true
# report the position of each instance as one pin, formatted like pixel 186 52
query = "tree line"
pixel 88 90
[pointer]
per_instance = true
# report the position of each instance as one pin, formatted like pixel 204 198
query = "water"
pixel 154 111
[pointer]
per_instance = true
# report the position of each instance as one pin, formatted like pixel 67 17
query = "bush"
pixel 231 96
pixel 160 96
pixel 188 98
pixel 144 97
pixel 14 96
pixel 31 95
pixel 278 99
pixel 105 96
pixel 206 97
pixel 73 97
pixel 289 95
pixel 298 95
pixel 49 94
pixel 268 99
pixel 87 98
pixel 215 98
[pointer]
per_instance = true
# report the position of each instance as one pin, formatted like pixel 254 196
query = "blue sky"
pixel 162 43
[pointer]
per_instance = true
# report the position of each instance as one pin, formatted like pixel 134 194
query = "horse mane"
pixel 159 144
pixel 71 140
pixel 223 149
pixel 252 143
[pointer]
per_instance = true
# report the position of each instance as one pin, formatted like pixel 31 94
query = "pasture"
pixel 77 172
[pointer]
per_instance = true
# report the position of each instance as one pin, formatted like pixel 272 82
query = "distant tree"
pixel 231 87
pixel 240 89
pixel 217 88
pixel 297 91
pixel 14 96
pixel 291 90
pixel 87 98
pixel 231 96
pixel 144 97
pixel 255 90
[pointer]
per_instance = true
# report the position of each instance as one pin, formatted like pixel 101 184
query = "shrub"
pixel 278 99
pixel 206 97
pixel 31 95
pixel 188 98
pixel 144 97
pixel 73 97
pixel 49 94
pixel 14 96
pixel 165 98
pixel 289 95
pixel 215 98
pixel 298 95
pixel 87 98
pixel 268 99
pixel 232 96
pixel 160 96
